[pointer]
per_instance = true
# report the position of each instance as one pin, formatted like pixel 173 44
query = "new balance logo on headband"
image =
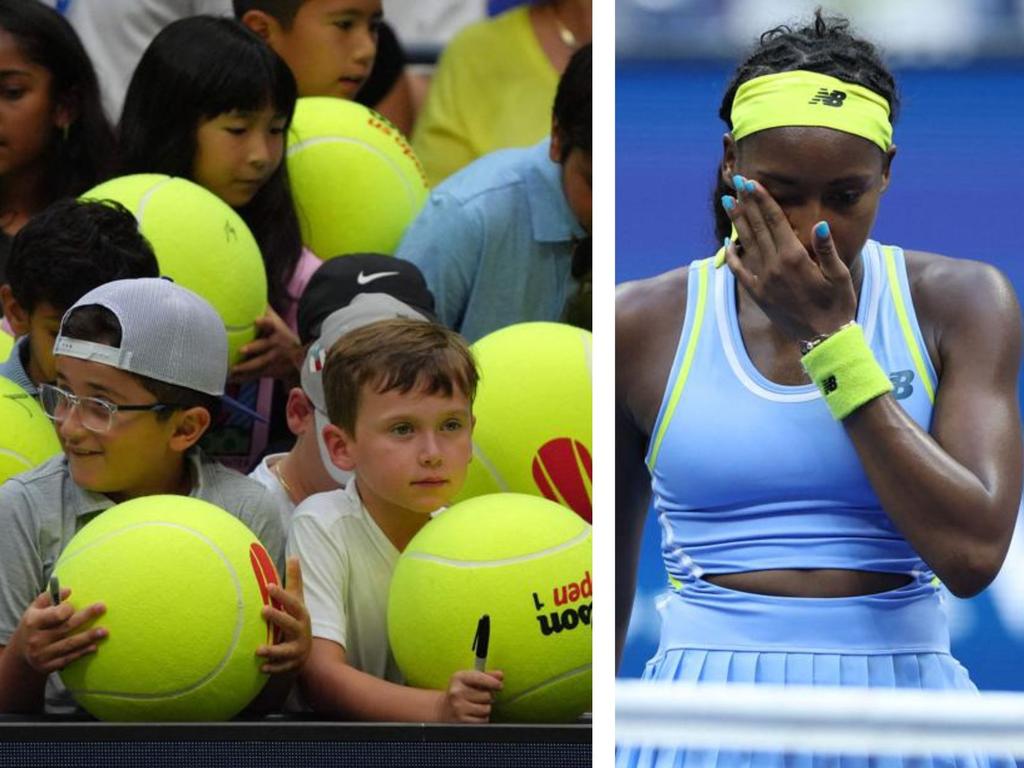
pixel 828 98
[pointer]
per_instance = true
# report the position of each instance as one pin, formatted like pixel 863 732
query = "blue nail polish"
pixel 750 186
pixel 737 182
pixel 728 203
pixel 821 229
pixel 725 242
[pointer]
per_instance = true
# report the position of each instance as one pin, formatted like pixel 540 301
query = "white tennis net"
pixel 816 719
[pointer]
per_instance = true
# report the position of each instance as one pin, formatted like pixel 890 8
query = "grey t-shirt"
pixel 42 509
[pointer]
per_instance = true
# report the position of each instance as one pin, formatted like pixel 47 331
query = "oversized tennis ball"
pixel 533 415
pixel 184 583
pixel 27 436
pixel 201 243
pixel 525 562
pixel 6 345
pixel 355 180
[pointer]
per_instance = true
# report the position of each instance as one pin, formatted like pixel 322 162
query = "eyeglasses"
pixel 96 414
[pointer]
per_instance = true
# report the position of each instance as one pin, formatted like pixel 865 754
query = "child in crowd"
pixel 338 48
pixel 210 102
pixel 59 256
pixel 330 45
pixel 130 404
pixel 55 138
pixel 399 396
pixel 344 294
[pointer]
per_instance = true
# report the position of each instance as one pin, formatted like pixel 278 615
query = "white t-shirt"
pixel 268 477
pixel 116 32
pixel 347 563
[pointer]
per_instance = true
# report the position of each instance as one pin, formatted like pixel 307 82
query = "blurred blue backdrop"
pixel 957 189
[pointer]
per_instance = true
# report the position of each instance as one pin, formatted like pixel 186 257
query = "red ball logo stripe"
pixel 266 574
pixel 562 472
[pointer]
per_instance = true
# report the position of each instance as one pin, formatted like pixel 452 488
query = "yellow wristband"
pixel 845 370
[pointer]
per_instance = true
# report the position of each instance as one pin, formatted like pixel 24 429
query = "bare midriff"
pixel 810 583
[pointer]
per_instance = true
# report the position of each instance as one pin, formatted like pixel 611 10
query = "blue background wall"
pixel 957 189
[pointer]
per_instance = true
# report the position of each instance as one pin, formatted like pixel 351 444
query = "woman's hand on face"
pixel 804 294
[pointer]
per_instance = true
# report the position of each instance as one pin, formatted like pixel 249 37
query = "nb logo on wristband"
pixel 829 385
pixel 828 98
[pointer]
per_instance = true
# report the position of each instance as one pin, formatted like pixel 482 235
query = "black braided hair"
pixel 824 46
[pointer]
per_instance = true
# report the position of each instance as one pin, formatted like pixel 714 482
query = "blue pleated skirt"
pixel 896 639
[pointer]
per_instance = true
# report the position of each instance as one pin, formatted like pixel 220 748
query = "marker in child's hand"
pixel 55 590
pixel 480 642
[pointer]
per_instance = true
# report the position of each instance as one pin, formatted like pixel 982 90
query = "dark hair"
pixel 99 325
pixel 72 247
pixel 825 46
pixel 195 69
pixel 578 308
pixel 282 10
pixel 44 37
pixel 398 354
pixel 574 103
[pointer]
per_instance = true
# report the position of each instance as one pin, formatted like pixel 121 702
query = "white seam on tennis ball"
pixel 292 149
pixel 577 539
pixel 238 620
pixel 479 455
pixel 549 681
pixel 17 456
pixel 144 200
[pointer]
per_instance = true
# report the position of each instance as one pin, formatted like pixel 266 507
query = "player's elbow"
pixel 972 569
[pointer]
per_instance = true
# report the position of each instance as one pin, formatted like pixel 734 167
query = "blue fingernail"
pixel 725 242
pixel 821 229
pixel 750 186
pixel 737 182
pixel 728 203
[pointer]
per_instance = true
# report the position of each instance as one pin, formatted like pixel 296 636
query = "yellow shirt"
pixel 493 88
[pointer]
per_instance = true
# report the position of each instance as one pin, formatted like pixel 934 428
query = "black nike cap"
pixel 339 280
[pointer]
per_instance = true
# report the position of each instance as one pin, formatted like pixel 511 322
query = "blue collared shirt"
pixel 495 241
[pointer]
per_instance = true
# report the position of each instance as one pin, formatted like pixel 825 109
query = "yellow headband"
pixel 802 98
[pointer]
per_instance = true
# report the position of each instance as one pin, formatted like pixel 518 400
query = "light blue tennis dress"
pixel 751 475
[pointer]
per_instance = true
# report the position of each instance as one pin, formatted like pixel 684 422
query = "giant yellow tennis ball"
pixel 6 345
pixel 201 243
pixel 525 562
pixel 184 583
pixel 356 182
pixel 27 436
pixel 533 415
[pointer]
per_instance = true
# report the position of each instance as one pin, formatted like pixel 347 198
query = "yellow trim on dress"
pixel 908 331
pixel 684 370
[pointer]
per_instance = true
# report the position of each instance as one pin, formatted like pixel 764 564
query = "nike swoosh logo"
pixel 364 279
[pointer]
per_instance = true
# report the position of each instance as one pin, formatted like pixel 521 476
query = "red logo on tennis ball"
pixel 266 575
pixel 558 471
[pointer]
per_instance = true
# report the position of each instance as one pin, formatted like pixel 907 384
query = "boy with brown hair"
pixel 399 396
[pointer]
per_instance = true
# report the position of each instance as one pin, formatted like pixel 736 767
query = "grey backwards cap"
pixel 364 309
pixel 168 333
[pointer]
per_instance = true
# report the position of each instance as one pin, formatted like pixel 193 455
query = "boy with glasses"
pixel 140 365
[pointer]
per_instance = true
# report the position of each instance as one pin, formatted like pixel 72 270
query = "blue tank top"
pixel 750 475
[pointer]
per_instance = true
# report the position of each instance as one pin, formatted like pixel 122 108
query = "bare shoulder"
pixel 963 301
pixel 649 317
pixel 949 289
pixel 640 302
